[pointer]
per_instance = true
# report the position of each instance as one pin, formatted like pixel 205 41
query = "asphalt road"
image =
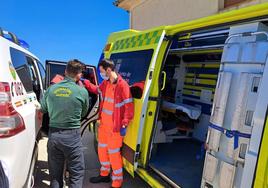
pixel 92 167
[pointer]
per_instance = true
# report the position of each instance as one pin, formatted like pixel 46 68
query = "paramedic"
pixel 66 103
pixel 116 111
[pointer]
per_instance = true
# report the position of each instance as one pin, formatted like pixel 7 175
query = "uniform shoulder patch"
pixel 62 92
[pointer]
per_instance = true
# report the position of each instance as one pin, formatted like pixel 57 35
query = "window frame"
pixel 41 68
pixel 37 75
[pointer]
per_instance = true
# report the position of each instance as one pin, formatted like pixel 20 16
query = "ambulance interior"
pixel 191 68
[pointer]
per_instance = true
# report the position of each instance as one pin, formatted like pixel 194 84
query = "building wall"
pixel 152 13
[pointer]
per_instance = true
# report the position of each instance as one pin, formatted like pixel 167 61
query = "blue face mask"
pixel 103 76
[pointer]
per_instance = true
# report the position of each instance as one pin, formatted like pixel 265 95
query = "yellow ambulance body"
pixel 200 90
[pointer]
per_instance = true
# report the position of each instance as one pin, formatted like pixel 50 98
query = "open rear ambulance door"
pixel 57 67
pixel 135 56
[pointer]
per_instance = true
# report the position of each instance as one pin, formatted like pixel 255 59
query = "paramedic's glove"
pixel 123 130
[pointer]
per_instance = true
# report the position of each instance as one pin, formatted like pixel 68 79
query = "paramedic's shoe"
pixel 100 179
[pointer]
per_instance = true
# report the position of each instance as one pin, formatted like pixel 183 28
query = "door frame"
pixel 95 109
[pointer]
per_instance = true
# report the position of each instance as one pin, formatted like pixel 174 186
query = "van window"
pixel 133 66
pixel 57 69
pixel 20 64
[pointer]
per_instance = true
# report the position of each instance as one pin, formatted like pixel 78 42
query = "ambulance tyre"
pixel 30 178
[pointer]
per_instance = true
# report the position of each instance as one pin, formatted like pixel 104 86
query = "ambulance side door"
pixel 58 67
pixel 136 58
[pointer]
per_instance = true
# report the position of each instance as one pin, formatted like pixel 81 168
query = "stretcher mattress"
pixel 191 111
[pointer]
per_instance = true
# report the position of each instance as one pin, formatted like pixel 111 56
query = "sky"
pixel 63 29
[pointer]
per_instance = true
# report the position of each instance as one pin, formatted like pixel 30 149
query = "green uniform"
pixel 66 103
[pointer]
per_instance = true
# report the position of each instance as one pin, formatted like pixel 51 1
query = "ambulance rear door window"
pixel 133 66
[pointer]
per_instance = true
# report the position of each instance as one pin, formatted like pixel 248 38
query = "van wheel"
pixel 30 178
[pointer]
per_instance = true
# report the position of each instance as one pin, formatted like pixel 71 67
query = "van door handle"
pixel 164 80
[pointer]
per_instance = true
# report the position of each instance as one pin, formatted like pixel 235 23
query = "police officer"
pixel 66 103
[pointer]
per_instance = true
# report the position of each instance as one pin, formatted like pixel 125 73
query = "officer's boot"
pixel 100 179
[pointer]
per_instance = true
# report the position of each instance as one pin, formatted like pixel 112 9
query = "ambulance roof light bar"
pixel 13 38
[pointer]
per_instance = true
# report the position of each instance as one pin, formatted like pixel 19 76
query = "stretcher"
pixel 185 116
pixel 192 112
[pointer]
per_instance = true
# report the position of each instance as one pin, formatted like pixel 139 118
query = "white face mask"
pixel 104 76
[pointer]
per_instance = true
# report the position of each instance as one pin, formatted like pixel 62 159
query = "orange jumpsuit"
pixel 110 142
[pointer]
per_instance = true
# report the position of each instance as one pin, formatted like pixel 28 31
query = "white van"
pixel 23 81
pixel 21 87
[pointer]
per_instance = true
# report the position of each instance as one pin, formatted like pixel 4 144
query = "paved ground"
pixel 92 167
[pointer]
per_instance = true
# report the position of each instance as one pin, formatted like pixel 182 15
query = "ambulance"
pixel 200 91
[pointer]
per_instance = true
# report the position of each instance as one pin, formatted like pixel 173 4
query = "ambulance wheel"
pixel 31 175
